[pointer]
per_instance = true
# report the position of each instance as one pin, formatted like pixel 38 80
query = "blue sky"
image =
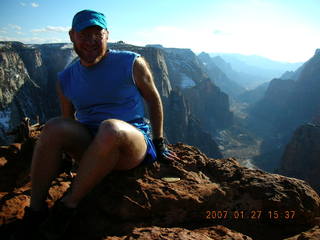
pixel 284 30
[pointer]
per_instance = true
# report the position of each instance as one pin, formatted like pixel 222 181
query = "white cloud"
pixel 34 40
pixel 14 26
pixel 35 5
pixel 2 38
pixel 219 32
pixel 51 29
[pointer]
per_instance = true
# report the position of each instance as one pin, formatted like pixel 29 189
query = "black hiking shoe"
pixel 57 223
pixel 27 228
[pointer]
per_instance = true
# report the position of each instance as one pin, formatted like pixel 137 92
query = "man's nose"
pixel 90 40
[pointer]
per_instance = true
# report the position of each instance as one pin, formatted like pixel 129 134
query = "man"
pixel 102 124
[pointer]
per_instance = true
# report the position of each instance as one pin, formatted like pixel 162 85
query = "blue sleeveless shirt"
pixel 105 90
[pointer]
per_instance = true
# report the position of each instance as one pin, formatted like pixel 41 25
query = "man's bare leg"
pixel 58 134
pixel 117 146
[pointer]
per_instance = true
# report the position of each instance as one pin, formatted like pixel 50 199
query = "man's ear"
pixel 107 33
pixel 71 33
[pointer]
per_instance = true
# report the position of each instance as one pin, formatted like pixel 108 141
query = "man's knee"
pixel 111 129
pixel 53 124
pixel 56 126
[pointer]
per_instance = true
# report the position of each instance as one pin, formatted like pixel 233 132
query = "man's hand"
pixel 163 153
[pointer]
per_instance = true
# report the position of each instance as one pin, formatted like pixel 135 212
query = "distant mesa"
pixel 155 45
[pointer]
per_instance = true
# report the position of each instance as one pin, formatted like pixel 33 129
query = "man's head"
pixel 89 36
pixel 88 18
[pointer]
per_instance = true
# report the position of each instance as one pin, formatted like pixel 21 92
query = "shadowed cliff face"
pixel 182 126
pixel 18 91
pixel 210 105
pixel 28 74
pixel 266 113
pixel 286 105
pixel 302 154
pixel 27 82
pixel 13 73
pixel 218 71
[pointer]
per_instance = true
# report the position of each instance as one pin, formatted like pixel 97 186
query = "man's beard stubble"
pixel 91 60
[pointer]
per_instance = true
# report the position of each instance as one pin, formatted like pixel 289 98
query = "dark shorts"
pixel 145 129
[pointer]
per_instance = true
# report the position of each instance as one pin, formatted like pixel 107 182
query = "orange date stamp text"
pixel 251 214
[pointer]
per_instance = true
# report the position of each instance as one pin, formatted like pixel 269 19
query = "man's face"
pixel 90 44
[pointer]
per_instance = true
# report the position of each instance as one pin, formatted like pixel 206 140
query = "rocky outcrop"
pixel 155 233
pixel 312 234
pixel 191 196
pixel 302 154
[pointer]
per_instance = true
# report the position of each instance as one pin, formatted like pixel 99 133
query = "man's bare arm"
pixel 67 109
pixel 144 81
